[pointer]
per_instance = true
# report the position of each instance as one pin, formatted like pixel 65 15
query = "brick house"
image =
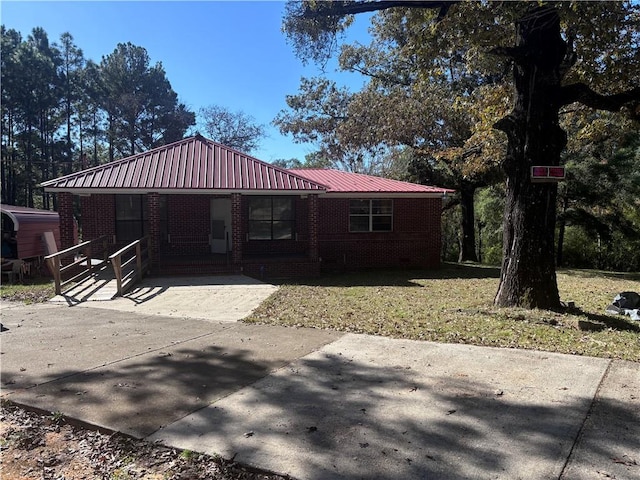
pixel 206 208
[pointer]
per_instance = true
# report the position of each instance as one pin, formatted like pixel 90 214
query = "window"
pixel 371 215
pixel 130 218
pixel 271 218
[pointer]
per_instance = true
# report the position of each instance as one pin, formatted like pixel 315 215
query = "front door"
pixel 220 225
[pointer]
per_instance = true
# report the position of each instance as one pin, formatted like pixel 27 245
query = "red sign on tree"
pixel 541 173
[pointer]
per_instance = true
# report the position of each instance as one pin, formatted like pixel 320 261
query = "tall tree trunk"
pixel 528 277
pixel 111 138
pixel 29 168
pixel 95 137
pixel 10 184
pixel 68 113
pixel 561 228
pixel 44 157
pixel 6 163
pixel 467 224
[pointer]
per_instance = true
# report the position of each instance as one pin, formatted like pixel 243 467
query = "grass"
pixel 33 290
pixel 454 305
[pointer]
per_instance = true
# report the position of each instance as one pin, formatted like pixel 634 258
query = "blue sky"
pixel 228 53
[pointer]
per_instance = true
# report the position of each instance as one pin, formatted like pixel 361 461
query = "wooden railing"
pixel 77 261
pixel 130 263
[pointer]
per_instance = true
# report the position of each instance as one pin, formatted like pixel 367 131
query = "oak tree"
pixel 557 53
pixel 234 129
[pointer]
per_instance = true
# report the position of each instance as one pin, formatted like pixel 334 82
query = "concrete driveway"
pixel 318 404
pixel 225 298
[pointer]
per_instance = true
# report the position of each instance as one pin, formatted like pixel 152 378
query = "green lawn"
pixel 34 290
pixel 454 305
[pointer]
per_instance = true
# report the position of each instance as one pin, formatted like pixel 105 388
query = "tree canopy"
pixel 436 112
pixel 234 129
pixel 601 198
pixel 142 109
pixel 553 55
pixel 59 109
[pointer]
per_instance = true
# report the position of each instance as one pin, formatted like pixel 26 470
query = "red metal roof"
pixel 195 164
pixel 199 165
pixel 338 181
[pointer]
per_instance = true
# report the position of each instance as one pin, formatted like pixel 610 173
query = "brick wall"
pixel 236 229
pixel 98 216
pixel 414 242
pixel 288 269
pixel 188 223
pixel 188 214
pixel 314 253
pixel 153 217
pixel 67 222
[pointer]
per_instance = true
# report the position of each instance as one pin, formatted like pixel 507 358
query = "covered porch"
pixel 205 208
pixel 264 236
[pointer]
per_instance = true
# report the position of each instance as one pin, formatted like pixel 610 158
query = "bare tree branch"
pixel 582 93
pixel 353 8
pixel 514 53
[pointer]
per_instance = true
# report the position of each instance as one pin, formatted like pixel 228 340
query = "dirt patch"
pixel 39 446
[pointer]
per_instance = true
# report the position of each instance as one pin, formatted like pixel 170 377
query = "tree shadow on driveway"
pixel 329 416
pixel 139 395
pixel 364 407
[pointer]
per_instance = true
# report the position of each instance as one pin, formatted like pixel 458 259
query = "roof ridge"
pixel 288 171
pixel 199 142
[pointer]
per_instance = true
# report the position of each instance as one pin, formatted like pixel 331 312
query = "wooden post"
pixel 87 254
pixel 105 248
pixel 54 266
pixel 139 260
pixel 117 269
